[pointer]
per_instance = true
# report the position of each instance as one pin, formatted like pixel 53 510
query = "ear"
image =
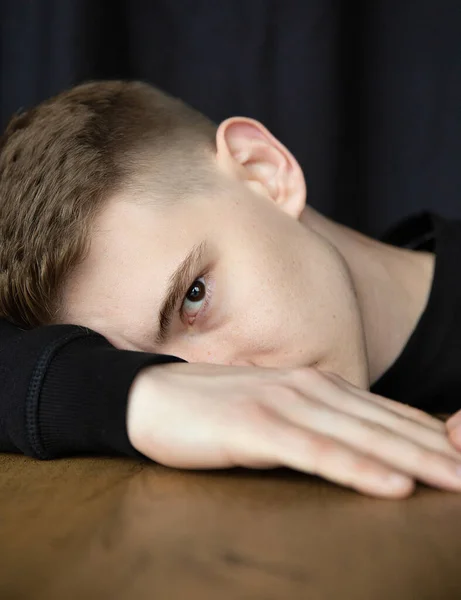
pixel 248 151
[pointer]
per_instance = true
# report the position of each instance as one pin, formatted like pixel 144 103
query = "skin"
pixel 318 311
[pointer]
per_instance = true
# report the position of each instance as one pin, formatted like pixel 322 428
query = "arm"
pixel 197 416
pixel 63 391
pixel 66 390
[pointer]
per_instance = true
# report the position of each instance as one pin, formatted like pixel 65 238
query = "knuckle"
pixel 306 376
pixel 250 410
pixel 278 393
pixel 425 461
pixel 374 436
pixel 321 451
pixel 363 465
pixel 343 464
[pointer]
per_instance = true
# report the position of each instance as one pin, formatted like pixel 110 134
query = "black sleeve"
pixel 63 391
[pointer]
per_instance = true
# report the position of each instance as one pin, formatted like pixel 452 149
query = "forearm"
pixel 64 391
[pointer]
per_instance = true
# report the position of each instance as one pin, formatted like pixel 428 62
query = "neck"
pixel 392 287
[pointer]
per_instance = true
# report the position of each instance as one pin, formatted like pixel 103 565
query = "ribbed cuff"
pixel 78 397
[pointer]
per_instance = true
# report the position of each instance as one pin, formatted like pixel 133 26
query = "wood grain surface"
pixel 125 529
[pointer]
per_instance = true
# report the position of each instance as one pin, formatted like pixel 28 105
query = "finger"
pixel 375 440
pixel 351 400
pixel 289 445
pixel 454 430
pixel 398 408
pixel 429 437
pixel 454 421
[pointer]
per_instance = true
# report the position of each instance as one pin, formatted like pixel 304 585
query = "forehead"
pixel 126 233
pixel 134 248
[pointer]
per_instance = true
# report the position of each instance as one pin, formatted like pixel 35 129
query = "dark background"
pixel 367 95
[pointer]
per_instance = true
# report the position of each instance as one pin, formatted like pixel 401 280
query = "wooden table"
pixel 126 529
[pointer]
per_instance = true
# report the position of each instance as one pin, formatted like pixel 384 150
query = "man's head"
pixel 60 164
pixel 109 189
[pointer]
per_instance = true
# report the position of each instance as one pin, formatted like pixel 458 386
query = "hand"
pixel 197 416
pixel 453 425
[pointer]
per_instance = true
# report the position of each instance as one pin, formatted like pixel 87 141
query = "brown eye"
pixel 196 292
pixel 195 301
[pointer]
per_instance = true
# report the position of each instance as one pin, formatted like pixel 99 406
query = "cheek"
pixel 280 300
pixel 297 307
pixel 267 315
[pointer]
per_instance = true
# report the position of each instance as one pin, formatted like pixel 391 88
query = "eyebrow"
pixel 178 285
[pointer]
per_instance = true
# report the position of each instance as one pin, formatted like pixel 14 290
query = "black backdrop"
pixel 367 95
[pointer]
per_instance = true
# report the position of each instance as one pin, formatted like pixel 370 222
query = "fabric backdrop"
pixel 366 94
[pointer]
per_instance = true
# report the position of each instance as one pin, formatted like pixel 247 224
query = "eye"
pixel 194 300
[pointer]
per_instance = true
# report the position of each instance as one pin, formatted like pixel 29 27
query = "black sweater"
pixel 64 388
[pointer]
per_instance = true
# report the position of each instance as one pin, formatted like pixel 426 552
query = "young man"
pixel 124 211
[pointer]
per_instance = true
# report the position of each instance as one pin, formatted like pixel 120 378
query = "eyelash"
pixel 206 301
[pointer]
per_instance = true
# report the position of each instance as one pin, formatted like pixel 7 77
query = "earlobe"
pixel 249 152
